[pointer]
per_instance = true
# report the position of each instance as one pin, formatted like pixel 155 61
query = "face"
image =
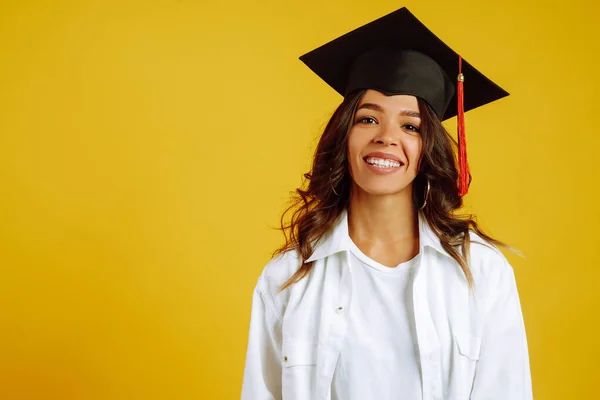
pixel 384 143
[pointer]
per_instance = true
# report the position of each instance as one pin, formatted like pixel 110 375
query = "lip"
pixel 380 170
pixel 388 156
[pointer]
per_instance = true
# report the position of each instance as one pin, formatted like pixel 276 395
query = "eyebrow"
pixel 377 107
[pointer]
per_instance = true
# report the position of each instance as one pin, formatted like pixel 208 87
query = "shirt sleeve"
pixel 262 370
pixel 503 370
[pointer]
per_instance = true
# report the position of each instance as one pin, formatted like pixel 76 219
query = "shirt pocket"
pixel 468 346
pixel 299 370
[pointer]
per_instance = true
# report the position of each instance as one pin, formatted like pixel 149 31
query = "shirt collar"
pixel 338 239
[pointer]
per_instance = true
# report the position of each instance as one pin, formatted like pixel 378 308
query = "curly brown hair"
pixel 328 184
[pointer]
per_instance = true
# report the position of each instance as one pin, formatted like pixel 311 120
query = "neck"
pixel 387 220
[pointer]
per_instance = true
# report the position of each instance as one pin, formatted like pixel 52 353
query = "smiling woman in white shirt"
pixel 382 291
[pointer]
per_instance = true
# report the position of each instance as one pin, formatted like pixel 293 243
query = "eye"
pixel 411 128
pixel 367 120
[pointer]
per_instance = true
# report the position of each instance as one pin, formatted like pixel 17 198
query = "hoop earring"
pixel 336 193
pixel 426 195
pixel 333 186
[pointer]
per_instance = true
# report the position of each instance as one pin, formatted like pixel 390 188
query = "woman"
pixel 381 291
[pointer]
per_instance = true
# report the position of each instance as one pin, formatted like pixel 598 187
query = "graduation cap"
pixel 397 54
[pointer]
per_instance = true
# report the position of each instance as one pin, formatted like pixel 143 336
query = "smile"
pixel 383 162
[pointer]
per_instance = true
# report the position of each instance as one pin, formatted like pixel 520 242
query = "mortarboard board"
pixel 397 54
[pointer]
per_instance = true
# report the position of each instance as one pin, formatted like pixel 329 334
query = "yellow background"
pixel 148 147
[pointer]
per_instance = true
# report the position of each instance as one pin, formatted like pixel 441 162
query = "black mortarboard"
pixel 397 54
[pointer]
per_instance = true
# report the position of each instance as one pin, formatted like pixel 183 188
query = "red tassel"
pixel 464 177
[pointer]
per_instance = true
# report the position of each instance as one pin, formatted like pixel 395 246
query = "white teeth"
pixel 380 162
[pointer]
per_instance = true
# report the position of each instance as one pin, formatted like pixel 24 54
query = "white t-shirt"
pixel 379 357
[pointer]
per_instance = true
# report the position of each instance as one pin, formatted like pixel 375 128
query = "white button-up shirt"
pixel 470 346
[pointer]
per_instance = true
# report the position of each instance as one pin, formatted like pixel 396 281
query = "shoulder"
pixel 275 273
pixel 278 270
pixel 489 266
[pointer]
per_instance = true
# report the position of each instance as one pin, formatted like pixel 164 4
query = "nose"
pixel 387 136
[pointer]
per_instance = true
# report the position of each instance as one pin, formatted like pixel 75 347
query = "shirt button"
pixel 339 310
pixel 285 358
